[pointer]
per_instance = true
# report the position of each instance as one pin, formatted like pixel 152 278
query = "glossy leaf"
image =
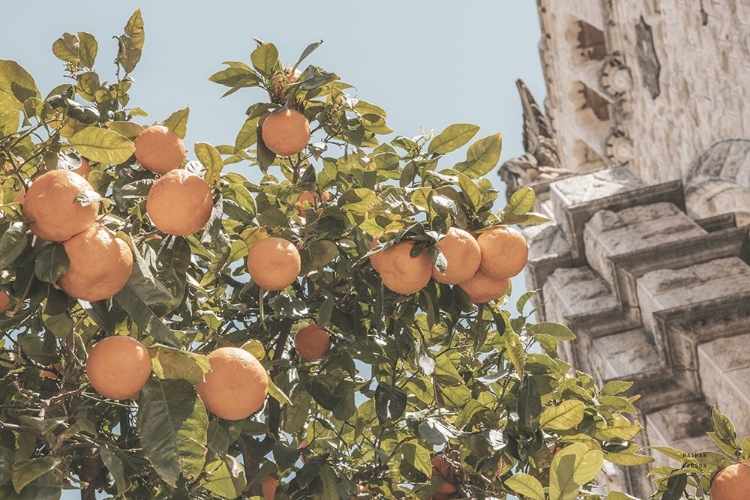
pixel 178 121
pixel 452 138
pixel 481 157
pixel 526 485
pixel 173 426
pixel 102 145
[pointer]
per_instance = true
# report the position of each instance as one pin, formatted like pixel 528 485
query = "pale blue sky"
pixel 428 63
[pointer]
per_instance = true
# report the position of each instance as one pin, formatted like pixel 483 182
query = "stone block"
pixel 576 199
pixel 680 288
pixel 627 355
pixel 725 377
pixel 610 234
pixel 682 426
pixel 577 291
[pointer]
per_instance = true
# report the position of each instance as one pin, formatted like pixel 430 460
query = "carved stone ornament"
pixel 619 146
pixel 541 161
pixel 615 77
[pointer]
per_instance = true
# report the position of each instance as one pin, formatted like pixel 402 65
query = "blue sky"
pixel 427 63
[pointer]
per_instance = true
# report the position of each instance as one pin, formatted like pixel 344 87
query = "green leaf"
pixel 61 325
pixel 211 159
pixel 226 479
pixel 115 466
pixel 102 145
pixel 529 404
pixel 559 332
pixel 573 467
pixel 308 50
pixel 615 387
pixel 247 135
pixel 481 157
pixel 724 430
pixel 515 351
pixel 66 49
pixel 277 393
pixel 9 114
pixel 131 43
pixel 6 462
pixel 526 485
pixel 452 138
pixel 48 486
pixel 317 255
pixel 16 81
pixel 178 121
pixel 618 495
pixel 562 417
pixel 169 364
pixel 675 487
pixel 51 263
pixel 390 402
pixel 144 317
pixel 27 471
pixel 12 244
pixel 88 47
pixel 128 129
pixel 173 427
pixel 521 201
pixel 265 59
pixel 330 482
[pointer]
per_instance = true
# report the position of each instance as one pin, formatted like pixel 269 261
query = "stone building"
pixel 641 156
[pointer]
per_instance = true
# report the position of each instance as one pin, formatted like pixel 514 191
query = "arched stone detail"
pixel 719 182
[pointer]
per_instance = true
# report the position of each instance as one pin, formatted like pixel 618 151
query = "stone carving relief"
pixel 541 161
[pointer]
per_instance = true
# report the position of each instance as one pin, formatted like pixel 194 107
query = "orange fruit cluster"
pixel 481 267
pixel 450 474
pixel 100 263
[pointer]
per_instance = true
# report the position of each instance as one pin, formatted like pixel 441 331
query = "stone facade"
pixel 646 257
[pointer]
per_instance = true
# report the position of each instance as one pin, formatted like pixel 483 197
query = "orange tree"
pixel 418 394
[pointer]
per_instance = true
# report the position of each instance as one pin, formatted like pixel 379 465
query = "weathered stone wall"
pixel 689 84
pixel 703 49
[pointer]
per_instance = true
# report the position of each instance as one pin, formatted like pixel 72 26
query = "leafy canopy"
pixel 409 380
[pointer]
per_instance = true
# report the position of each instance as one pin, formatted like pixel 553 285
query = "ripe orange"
pixel 504 252
pixel 180 203
pixel 273 263
pixel 440 467
pixel 54 371
pixel 237 385
pixel 118 367
pixel 50 204
pixel 100 265
pixel 269 486
pixel 482 288
pixel 21 196
pixel 463 255
pixel 731 483
pixel 286 132
pixel 401 272
pixel 360 491
pixel 159 149
pixel 84 169
pixel 377 257
pixel 309 199
pixel 312 342
pixel 4 301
